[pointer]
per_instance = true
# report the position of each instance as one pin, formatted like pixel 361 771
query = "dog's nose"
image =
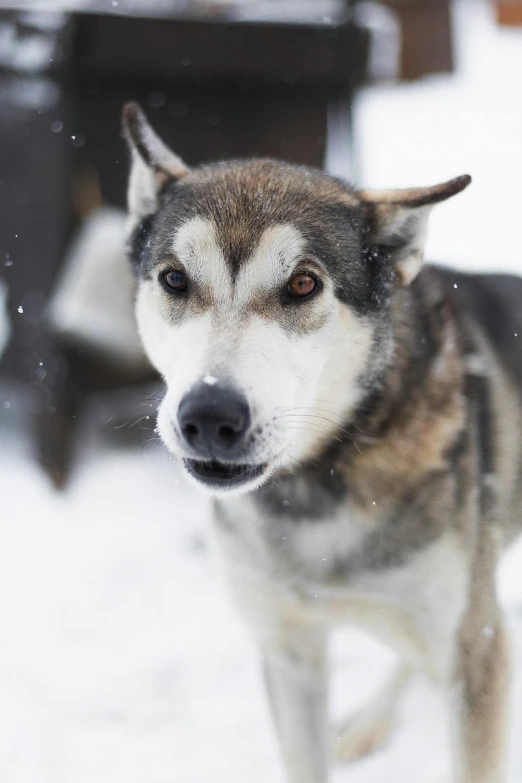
pixel 213 419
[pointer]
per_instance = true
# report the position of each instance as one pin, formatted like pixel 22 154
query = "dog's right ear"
pixel 153 163
pixel 398 219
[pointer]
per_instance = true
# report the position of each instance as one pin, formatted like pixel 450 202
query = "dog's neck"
pixel 403 428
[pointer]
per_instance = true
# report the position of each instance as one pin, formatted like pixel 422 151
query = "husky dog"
pixel 356 418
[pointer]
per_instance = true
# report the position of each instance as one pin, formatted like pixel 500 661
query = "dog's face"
pixel 264 302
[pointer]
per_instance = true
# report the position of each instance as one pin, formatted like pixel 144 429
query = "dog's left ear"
pixel 398 221
pixel 153 163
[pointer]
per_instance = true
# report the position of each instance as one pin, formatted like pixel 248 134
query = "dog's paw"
pixel 361 735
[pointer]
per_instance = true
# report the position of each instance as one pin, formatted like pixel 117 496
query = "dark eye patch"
pixel 139 241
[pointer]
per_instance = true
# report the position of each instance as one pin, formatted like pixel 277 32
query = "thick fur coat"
pixel 356 417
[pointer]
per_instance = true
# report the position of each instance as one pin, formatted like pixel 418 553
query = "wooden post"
pixel 426 36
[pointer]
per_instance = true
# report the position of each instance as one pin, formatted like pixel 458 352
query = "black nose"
pixel 213 420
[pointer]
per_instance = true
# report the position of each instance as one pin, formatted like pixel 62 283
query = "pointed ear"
pixel 398 221
pixel 153 163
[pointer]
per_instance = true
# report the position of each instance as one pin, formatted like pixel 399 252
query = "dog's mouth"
pixel 222 474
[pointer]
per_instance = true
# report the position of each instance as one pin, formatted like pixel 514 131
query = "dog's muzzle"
pixel 214 421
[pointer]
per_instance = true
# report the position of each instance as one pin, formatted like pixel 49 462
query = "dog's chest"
pixel 280 564
pixel 293 549
pixel 286 572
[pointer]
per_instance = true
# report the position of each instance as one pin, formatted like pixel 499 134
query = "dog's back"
pixel 495 302
pixel 488 307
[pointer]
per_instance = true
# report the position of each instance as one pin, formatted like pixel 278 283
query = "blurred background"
pixel 121 657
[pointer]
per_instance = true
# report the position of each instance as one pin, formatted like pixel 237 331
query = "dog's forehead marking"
pixel 196 244
pixel 273 259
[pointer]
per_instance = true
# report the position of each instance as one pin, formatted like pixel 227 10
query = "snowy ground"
pixel 121 657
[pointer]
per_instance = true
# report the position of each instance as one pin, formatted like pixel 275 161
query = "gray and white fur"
pixel 356 418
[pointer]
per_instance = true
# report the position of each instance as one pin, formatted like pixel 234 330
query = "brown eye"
pixel 175 280
pixel 302 285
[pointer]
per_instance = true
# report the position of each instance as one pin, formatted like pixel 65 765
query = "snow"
pixel 24 53
pixel 295 11
pixel 121 656
pixel 436 129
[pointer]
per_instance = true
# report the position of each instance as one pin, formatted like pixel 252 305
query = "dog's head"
pixel 263 300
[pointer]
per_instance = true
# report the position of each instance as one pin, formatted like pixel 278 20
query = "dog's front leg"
pixel 480 709
pixel 295 673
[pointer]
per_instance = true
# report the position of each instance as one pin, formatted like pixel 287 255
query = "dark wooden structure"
pixel 426 38
pixel 212 88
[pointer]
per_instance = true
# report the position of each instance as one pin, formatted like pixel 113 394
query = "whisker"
pixel 300 423
pixel 356 446
pixel 290 409
pixel 295 459
pixel 318 416
pixel 311 424
pixel 126 423
pixel 147 416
